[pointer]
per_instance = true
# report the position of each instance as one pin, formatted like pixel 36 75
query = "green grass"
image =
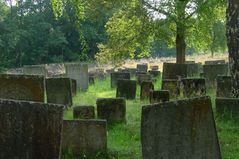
pixel 124 139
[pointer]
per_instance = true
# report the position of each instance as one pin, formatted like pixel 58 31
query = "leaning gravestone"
pixel 224 86
pixel 126 89
pixel 146 87
pixel 193 87
pixel 173 86
pixel 111 109
pixel 142 67
pixel 215 62
pixel 22 87
pixel 183 129
pixel 117 76
pixel 79 72
pixel 35 70
pixel 30 130
pixel 228 107
pixel 84 112
pixel 84 138
pixel 159 96
pixel 59 91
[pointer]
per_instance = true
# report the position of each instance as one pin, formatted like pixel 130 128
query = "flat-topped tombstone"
pixel 126 89
pixel 22 87
pixel 154 68
pixel 59 91
pixel 30 130
pixel 143 77
pixel 174 70
pixel 35 70
pixel 183 129
pixel 74 87
pixel 224 86
pixel 215 62
pixel 172 86
pixel 142 67
pixel 84 112
pixel 111 109
pixel 117 76
pixel 227 107
pixel 159 96
pixel 79 72
pixel 84 138
pixel 211 72
pixel 154 73
pixel 193 87
pixel 146 87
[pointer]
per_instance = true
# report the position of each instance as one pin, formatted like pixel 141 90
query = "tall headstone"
pixel 146 87
pixel 117 76
pixel 22 87
pixel 193 87
pixel 181 129
pixel 227 107
pixel 142 67
pixel 35 70
pixel 79 72
pixel 159 96
pixel 59 91
pixel 126 89
pixel 173 86
pixel 224 86
pixel 30 130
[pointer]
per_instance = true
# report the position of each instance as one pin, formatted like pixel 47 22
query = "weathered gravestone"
pixel 228 107
pixel 142 67
pixel 215 62
pixel 22 87
pixel 74 87
pixel 79 72
pixel 224 86
pixel 194 69
pixel 84 138
pixel 59 91
pixel 30 130
pixel 183 129
pixel 84 112
pixel 193 87
pixel 173 86
pixel 143 77
pixel 117 76
pixel 35 70
pixel 210 72
pixel 146 87
pixel 111 109
pixel 159 96
pixel 55 70
pixel 126 89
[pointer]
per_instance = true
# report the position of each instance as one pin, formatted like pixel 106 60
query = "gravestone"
pixel 126 89
pixel 22 87
pixel 183 129
pixel 142 67
pixel 74 87
pixel 146 87
pixel 91 79
pixel 111 109
pixel 193 87
pixel 117 76
pixel 84 138
pixel 59 91
pixel 55 70
pixel 159 96
pixel 211 72
pixel 227 107
pixel 194 70
pixel 143 77
pixel 30 130
pixel 79 72
pixel 132 71
pixel 173 86
pixel 215 62
pixel 174 71
pixel 84 112
pixel 154 68
pixel 35 70
pixel 154 73
pixel 224 86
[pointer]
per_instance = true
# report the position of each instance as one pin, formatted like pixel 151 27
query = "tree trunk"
pixel 180 45
pixel 233 43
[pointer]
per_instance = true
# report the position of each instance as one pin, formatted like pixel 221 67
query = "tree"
pixel 233 41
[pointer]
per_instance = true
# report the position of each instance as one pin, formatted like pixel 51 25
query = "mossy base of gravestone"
pixel 126 89
pixel 159 96
pixel 117 76
pixel 224 86
pixel 84 112
pixel 145 88
pixel 111 109
pixel 173 86
pixel 227 108
pixel 193 87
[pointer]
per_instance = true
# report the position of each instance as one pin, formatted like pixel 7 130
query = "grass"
pixel 124 139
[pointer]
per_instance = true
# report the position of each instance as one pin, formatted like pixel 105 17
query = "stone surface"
pixel 22 87
pixel 174 71
pixel 126 89
pixel 194 70
pixel 74 87
pixel 224 86
pixel 79 72
pixel 214 62
pixel 210 73
pixel 35 70
pixel 142 67
pixel 30 130
pixel 143 77
pixel 154 68
pixel 228 107
pixel 84 138
pixel 59 91
pixel 173 86
pixel 111 109
pixel 182 129
pixel 117 76
pixel 146 87
pixel 159 96
pixel 84 112
pixel 193 87
pixel 55 70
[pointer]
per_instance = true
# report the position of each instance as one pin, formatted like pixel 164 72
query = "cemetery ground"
pixel 124 139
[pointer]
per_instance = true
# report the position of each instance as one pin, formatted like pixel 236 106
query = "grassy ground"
pixel 124 139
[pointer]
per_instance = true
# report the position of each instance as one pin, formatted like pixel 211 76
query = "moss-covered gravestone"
pixel 84 112
pixel 193 87
pixel 224 86
pixel 173 86
pixel 183 129
pixel 159 96
pixel 117 76
pixel 126 89
pixel 59 91
pixel 30 130
pixel 22 87
pixel 111 109
pixel 146 87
